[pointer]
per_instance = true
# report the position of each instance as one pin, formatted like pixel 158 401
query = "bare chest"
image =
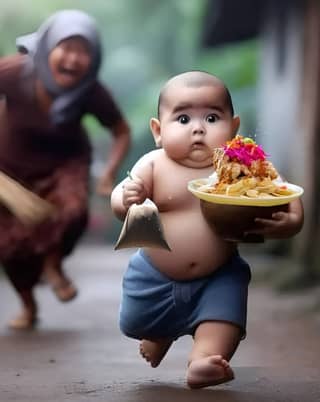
pixel 170 196
pixel 170 191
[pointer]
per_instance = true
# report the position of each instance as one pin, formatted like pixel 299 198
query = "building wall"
pixel 279 129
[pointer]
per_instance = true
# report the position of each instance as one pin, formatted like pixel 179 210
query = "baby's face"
pixel 69 61
pixel 194 121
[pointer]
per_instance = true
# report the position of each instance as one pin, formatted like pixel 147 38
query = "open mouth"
pixel 68 72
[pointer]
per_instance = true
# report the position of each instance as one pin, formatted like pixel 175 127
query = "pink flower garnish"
pixel 244 150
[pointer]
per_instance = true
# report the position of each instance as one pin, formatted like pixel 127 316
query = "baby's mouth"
pixel 198 145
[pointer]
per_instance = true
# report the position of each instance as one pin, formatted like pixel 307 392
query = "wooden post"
pixel 308 250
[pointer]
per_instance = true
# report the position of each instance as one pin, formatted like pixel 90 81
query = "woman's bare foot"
pixel 25 320
pixel 55 276
pixel 64 290
pixel 155 350
pixel 207 371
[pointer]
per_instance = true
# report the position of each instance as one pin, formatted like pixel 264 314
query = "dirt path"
pixel 78 353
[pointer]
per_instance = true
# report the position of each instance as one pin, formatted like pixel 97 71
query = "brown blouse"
pixel 52 161
pixel 30 146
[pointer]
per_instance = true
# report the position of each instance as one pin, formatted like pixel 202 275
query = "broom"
pixel 27 206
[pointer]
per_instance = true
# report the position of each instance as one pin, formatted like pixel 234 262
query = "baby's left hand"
pixel 282 225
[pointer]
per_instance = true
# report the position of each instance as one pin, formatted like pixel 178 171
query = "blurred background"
pixel 267 53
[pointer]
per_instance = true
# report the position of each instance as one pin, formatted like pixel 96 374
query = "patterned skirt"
pixel 23 248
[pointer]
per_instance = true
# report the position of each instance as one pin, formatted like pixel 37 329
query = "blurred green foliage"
pixel 145 42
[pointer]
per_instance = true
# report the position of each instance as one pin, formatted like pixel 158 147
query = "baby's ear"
pixel 235 124
pixel 156 131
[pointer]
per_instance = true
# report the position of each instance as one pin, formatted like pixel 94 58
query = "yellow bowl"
pixel 195 185
pixel 232 216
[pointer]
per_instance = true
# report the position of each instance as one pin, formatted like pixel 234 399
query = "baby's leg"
pixel 154 350
pixel 214 344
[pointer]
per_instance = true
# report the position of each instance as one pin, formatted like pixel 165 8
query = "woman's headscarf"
pixel 64 24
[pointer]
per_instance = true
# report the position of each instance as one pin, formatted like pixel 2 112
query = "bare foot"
pixel 64 290
pixel 154 351
pixel 54 274
pixel 25 320
pixel 207 371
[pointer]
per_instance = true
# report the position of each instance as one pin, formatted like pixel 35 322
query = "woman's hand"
pixel 105 184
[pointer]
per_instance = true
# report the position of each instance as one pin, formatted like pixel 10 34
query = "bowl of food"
pixel 232 222
pixel 244 186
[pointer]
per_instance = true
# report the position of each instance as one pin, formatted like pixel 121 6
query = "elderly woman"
pixel 47 88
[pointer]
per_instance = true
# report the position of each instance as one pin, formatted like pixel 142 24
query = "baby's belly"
pixel 196 250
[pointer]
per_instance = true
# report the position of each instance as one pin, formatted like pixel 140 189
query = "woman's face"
pixel 69 61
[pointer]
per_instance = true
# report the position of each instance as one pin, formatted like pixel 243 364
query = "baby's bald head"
pixel 194 79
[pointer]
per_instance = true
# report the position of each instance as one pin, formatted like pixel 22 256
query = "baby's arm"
pixel 282 224
pixel 134 189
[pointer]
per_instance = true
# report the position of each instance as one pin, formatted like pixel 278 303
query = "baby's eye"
pixel 212 118
pixel 183 119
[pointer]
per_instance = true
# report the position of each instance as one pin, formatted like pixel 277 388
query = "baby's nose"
pixel 198 128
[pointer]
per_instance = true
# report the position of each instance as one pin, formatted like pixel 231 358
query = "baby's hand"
pixel 133 192
pixel 282 225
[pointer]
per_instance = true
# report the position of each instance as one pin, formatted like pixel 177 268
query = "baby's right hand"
pixel 133 192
